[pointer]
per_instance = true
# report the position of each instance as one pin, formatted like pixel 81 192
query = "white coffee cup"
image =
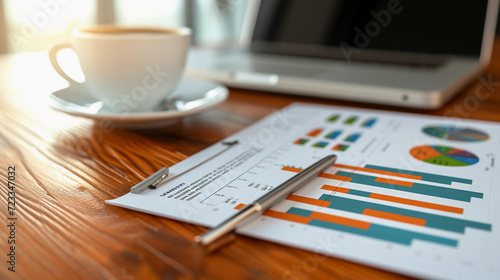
pixel 131 69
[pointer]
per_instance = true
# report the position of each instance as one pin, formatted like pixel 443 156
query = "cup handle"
pixel 53 50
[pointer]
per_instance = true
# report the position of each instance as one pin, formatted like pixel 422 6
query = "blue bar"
pixel 369 122
pixel 352 138
pixel 333 134
pixel 320 144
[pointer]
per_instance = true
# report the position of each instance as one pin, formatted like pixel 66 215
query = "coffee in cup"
pixel 130 69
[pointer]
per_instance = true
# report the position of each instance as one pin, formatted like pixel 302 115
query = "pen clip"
pixel 155 183
pixel 151 182
pixel 154 180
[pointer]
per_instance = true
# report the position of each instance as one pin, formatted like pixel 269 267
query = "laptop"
pixel 395 52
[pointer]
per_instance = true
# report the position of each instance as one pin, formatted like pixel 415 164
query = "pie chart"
pixel 455 133
pixel 443 155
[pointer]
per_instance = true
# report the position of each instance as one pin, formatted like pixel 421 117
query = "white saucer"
pixel 193 96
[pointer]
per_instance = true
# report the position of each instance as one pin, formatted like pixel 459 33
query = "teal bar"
pixel 442 189
pixel 403 237
pixel 445 226
pixel 385 230
pixel 359 193
pixel 429 177
pixel 432 220
pixel 299 212
pixel 339 205
pixel 460 195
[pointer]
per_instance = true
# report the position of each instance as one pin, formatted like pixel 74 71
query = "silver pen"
pixel 265 202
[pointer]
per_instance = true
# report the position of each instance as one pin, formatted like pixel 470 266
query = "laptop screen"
pixel 340 27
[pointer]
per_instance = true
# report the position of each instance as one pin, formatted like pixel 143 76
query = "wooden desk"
pixel 66 167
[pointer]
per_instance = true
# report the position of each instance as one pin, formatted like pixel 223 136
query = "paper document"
pixel 414 194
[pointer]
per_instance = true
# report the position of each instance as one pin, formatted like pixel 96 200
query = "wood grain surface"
pixel 66 167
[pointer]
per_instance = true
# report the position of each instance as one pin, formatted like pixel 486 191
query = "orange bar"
pixel 335 189
pixel 417 203
pixel 239 206
pixel 287 216
pixel 394 217
pixel 394 182
pixel 308 200
pixel 379 171
pixel 315 132
pixel 292 169
pixel 336 177
pixel 340 220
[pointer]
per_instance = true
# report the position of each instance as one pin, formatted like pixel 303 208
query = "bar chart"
pixel 336 132
pixel 408 181
pixel 352 226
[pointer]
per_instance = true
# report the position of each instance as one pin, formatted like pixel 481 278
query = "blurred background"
pixel 30 25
